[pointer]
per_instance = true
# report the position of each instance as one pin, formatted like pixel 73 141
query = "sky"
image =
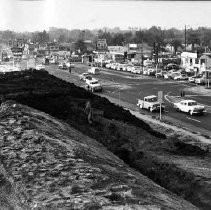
pixel 37 15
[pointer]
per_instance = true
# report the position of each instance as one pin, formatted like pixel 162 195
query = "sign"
pixel 102 45
pixel 160 96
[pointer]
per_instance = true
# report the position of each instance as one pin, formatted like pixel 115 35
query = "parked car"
pixel 181 77
pixel 108 65
pixel 129 67
pixel 136 70
pixel 124 67
pixel 114 66
pixel 120 66
pixel 62 66
pixel 94 70
pixel 151 72
pixel 193 78
pixel 171 66
pixel 172 73
pixel 40 67
pixel 84 76
pixel 189 106
pixel 205 78
pixel 151 103
pixel 160 73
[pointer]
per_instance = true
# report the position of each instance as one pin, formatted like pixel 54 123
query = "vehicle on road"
pixel 84 76
pixel 40 67
pixel 62 66
pixel 93 85
pixel 151 103
pixel 181 77
pixel 94 70
pixel 189 106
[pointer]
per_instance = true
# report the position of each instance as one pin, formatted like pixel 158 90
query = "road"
pixel 127 87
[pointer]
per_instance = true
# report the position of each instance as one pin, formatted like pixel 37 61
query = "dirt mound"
pixel 57 167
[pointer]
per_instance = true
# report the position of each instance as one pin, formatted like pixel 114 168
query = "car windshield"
pixel 193 103
pixel 95 82
pixel 88 77
pixel 154 99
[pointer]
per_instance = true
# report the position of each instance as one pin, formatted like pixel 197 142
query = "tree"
pixel 80 45
pixel 193 38
pixel 175 43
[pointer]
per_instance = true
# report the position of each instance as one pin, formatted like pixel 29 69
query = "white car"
pixel 129 68
pixel 40 67
pixel 136 70
pixel 108 65
pixel 84 76
pixel 181 77
pixel 114 66
pixel 93 85
pixel 193 78
pixel 94 70
pixel 189 106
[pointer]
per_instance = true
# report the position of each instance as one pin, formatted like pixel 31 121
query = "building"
pixel 190 60
pixel 205 61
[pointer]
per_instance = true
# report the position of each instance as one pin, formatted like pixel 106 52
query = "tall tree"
pixel 193 38
pixel 80 45
pixel 175 43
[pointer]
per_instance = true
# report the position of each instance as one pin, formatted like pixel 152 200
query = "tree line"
pixel 199 38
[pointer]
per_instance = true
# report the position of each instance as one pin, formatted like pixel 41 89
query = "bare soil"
pixel 175 164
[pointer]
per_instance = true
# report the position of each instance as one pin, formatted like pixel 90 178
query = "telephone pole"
pixel 185 38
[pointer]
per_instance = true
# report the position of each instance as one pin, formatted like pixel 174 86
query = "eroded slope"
pixel 50 164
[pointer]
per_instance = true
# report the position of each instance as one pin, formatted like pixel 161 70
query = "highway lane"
pixel 127 87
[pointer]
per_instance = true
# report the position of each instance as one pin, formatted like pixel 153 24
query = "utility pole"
pixel 142 57
pixel 185 38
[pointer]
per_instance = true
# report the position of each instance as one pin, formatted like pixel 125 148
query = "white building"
pixel 189 60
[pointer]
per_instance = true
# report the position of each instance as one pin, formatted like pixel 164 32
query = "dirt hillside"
pixel 174 163
pixel 47 164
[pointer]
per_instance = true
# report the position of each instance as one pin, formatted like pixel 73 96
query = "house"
pixel 205 61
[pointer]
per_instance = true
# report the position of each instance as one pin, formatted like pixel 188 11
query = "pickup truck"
pixel 94 70
pixel 93 85
pixel 189 106
pixel 151 103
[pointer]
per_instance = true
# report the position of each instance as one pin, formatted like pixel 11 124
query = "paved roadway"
pixel 127 87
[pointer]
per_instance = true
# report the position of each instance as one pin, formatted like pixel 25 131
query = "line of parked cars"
pixel 129 67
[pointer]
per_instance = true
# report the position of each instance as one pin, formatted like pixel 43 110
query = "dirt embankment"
pixel 182 168
pixel 46 164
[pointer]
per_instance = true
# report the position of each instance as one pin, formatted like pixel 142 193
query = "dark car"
pixel 171 66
